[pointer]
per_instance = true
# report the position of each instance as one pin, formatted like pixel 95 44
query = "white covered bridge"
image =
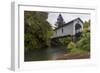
pixel 71 28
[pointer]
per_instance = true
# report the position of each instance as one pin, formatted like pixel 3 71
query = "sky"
pixel 52 17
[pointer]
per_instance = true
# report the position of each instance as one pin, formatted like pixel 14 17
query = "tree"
pixel 86 24
pixel 60 21
pixel 37 30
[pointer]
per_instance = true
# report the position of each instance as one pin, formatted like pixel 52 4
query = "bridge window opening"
pixel 62 30
pixel 77 30
pixel 77 26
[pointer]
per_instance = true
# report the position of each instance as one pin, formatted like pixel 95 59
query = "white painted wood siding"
pixel 68 29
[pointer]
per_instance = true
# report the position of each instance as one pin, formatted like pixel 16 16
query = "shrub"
pixel 65 41
pixel 84 42
pixel 71 46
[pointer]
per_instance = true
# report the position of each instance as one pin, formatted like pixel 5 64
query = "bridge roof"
pixel 68 23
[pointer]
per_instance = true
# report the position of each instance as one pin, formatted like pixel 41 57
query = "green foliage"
pixel 71 46
pixel 37 30
pixel 86 24
pixel 84 42
pixel 77 51
pixel 65 40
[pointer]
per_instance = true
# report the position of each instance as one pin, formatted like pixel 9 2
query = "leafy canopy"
pixel 37 30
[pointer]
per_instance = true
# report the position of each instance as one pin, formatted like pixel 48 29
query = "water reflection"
pixel 55 53
pixel 50 54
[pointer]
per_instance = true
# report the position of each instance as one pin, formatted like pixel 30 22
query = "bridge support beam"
pixel 74 38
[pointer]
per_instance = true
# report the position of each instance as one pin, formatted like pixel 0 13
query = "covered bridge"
pixel 71 28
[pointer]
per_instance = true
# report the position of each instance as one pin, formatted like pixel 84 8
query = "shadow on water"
pixel 48 54
pixel 35 55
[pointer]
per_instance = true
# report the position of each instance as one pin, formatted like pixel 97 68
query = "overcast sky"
pixel 52 17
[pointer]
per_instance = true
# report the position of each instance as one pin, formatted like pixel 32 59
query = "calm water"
pixel 55 53
pixel 49 54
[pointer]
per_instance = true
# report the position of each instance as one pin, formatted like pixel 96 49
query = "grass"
pixel 75 53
